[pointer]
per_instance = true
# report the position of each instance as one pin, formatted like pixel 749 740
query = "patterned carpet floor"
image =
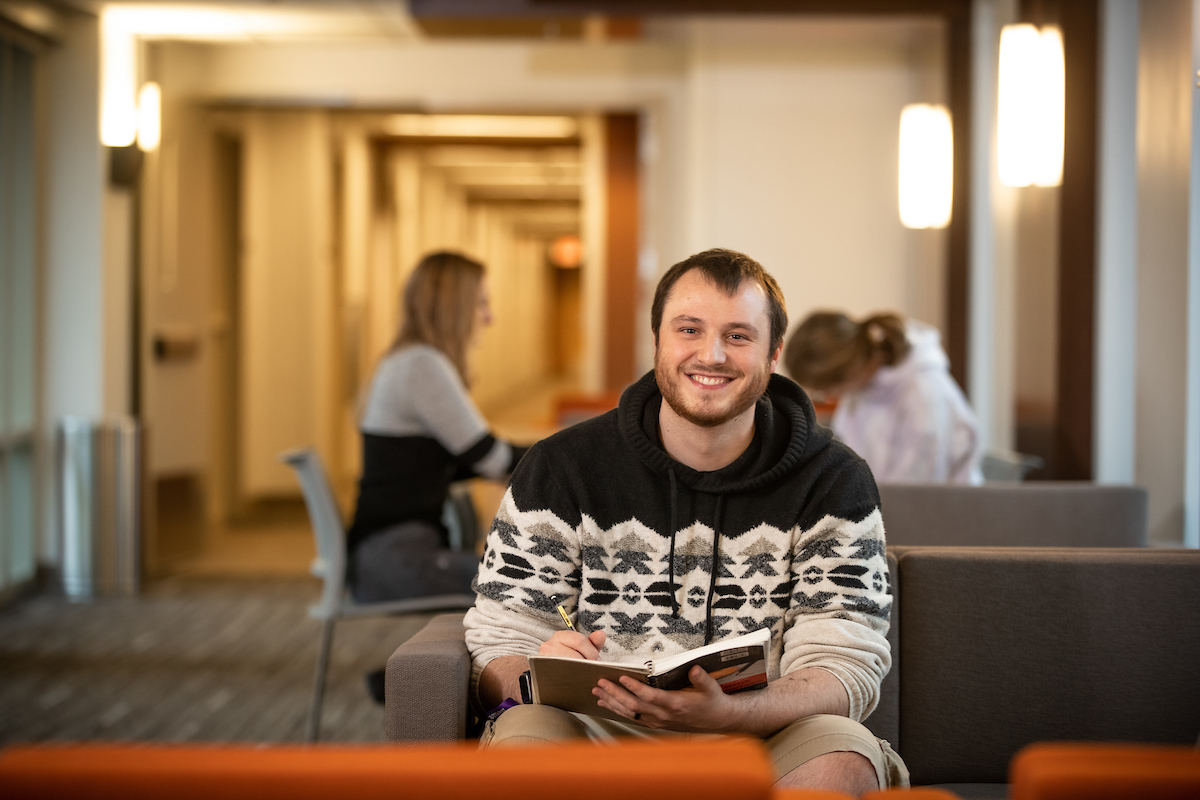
pixel 188 659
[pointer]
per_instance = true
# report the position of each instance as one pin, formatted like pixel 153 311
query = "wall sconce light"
pixel 926 166
pixel 118 81
pixel 149 114
pixel 566 252
pixel 1031 101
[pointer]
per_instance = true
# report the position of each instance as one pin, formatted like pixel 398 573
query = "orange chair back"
pixel 1105 772
pixel 728 770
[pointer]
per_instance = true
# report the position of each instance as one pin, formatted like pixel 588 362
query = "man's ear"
pixel 775 358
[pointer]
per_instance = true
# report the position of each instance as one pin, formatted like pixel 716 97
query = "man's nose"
pixel 713 351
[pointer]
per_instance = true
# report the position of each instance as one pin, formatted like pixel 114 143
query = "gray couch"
pixel 993 648
pixel 1051 514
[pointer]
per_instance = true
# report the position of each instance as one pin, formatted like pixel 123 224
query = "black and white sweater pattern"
pixel 664 558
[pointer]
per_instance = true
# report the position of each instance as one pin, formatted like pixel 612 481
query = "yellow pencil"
pixel 563 612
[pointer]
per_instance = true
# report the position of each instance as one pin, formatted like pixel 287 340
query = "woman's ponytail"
pixel 886 337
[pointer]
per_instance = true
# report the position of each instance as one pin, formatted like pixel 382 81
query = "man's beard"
pixel 670 384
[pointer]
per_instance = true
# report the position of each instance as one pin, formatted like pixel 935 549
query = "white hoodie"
pixel 911 423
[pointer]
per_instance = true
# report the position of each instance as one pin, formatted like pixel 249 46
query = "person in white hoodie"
pixel 897 405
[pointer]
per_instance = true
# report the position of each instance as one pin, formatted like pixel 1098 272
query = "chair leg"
pixel 314 711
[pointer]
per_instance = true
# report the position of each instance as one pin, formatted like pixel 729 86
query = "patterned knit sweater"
pixel 664 558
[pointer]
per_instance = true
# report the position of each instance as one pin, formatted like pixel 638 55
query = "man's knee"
pixel 532 724
pixel 841 771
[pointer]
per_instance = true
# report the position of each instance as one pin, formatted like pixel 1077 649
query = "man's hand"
pixel 499 677
pixel 702 708
pixel 705 708
pixel 572 644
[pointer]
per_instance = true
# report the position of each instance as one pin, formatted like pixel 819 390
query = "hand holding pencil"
pixel 570 643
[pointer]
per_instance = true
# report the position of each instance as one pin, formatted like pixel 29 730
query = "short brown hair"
pixel 727 269
pixel 438 305
pixel 829 347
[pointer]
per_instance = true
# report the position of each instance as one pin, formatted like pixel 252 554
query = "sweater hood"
pixel 785 435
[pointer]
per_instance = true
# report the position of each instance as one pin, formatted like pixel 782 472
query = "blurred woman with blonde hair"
pixel 897 405
pixel 420 432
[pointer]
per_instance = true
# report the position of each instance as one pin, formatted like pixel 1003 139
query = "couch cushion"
pixel 1059 514
pixel 884 721
pixel 1006 646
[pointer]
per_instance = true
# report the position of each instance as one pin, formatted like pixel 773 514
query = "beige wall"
pixel 287 369
pixel 794 126
pixel 176 253
pixel 1164 146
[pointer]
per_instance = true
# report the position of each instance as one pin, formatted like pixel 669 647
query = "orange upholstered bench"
pixel 732 769
pixel 1105 772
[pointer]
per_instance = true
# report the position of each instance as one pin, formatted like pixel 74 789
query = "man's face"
pixel 713 358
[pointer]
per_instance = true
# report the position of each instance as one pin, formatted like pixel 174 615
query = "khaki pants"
pixel 799 742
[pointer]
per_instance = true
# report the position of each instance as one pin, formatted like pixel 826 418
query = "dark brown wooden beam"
pixel 621 246
pixel 958 288
pixel 1077 244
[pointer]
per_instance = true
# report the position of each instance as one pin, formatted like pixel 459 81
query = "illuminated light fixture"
pixel 1031 101
pixel 479 125
pixel 149 112
pixel 185 20
pixel 926 166
pixel 566 252
pixel 118 80
pixel 121 26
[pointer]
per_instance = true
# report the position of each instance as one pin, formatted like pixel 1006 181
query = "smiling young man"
pixel 708 505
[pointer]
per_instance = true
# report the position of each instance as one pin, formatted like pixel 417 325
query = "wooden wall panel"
pixel 622 216
pixel 1077 245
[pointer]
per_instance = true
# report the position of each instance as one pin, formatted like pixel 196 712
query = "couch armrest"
pixel 427 683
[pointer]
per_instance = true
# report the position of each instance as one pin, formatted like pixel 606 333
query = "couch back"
pixel 1003 647
pixel 1051 514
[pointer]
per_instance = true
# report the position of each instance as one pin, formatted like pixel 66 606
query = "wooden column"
pixel 1077 245
pixel 958 52
pixel 621 245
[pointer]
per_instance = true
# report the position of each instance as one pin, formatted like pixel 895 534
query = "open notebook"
pixel 737 664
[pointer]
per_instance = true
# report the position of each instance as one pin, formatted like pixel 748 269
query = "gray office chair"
pixel 330 567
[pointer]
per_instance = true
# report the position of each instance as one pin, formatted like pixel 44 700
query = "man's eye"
pixel 688 330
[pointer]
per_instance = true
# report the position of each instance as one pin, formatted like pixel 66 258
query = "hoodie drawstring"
pixel 671 555
pixel 716 565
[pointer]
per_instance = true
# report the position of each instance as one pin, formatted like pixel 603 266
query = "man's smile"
pixel 710 380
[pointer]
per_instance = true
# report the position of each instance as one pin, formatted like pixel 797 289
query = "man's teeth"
pixel 707 381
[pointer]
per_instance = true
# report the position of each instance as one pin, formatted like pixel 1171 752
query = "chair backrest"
pixel 1050 514
pixel 330 535
pixel 1061 771
pixel 726 769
